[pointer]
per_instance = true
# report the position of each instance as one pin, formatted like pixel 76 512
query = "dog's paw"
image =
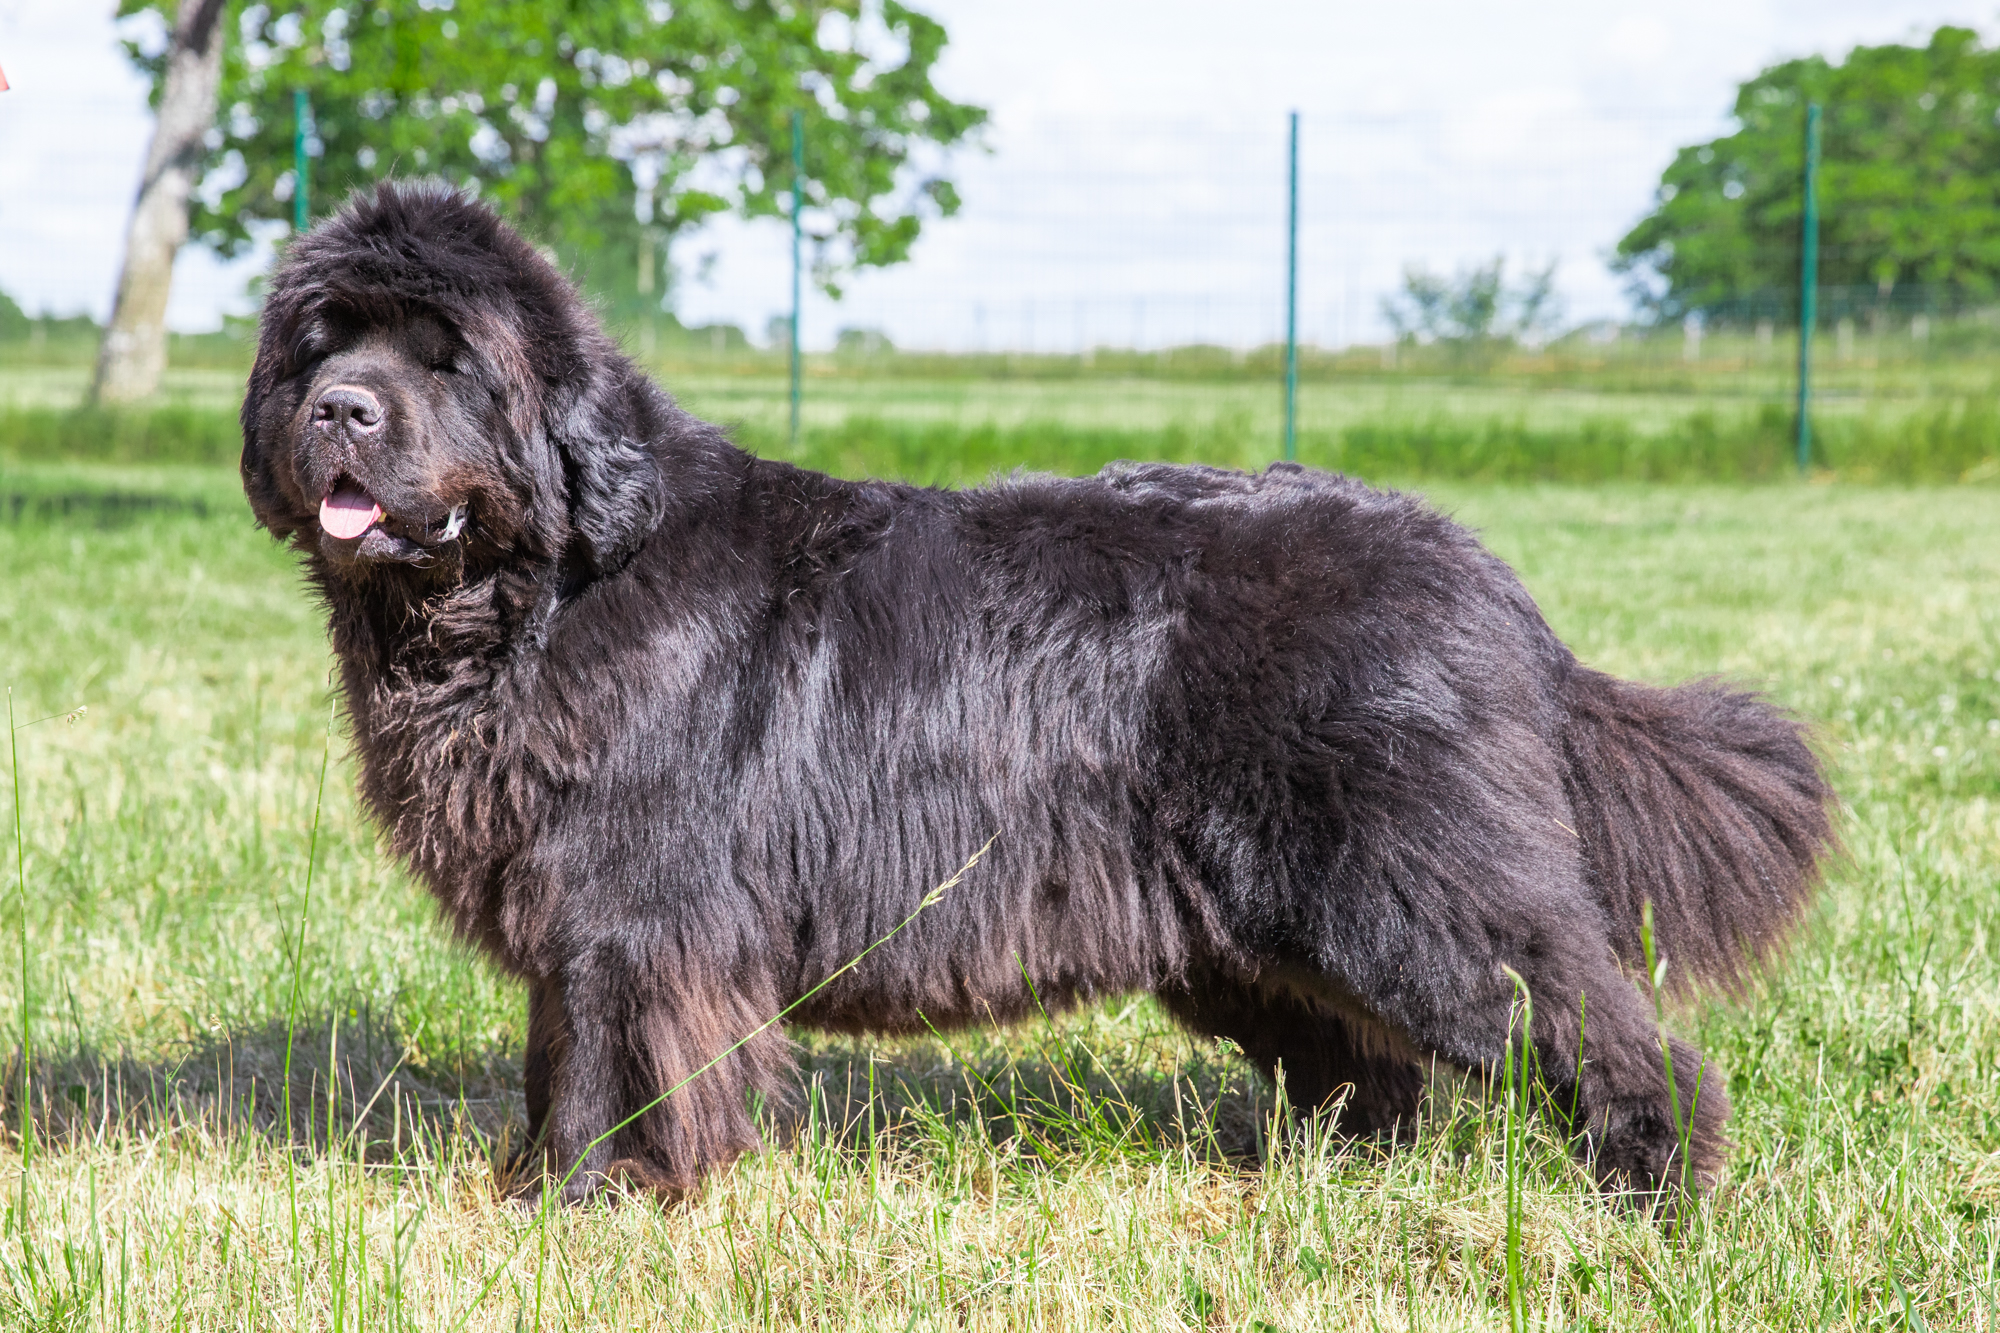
pixel 636 1178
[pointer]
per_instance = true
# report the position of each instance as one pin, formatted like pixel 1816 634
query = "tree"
pixel 1474 307
pixel 134 349
pixel 1909 183
pixel 14 322
pixel 603 128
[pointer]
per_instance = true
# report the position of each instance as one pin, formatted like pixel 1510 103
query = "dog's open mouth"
pixel 349 514
pixel 348 510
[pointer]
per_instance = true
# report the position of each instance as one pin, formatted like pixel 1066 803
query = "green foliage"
pixel 14 322
pixel 853 342
pixel 597 127
pixel 1909 182
pixel 1474 307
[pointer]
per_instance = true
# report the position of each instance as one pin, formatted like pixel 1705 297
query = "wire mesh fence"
pixel 1117 289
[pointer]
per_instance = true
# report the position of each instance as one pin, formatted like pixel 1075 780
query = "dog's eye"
pixel 306 354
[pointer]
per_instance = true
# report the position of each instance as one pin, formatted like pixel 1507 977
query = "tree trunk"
pixel 134 351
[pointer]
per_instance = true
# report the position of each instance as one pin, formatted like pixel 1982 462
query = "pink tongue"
pixel 348 512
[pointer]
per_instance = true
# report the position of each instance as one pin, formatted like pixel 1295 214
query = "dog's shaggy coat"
pixel 674 733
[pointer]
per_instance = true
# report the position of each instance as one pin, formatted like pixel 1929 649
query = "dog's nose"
pixel 348 405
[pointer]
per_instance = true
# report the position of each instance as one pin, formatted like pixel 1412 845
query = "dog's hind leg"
pixel 1331 1063
pixel 1596 1048
pixel 1637 1131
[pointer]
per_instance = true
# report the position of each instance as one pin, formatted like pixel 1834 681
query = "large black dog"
pixel 674 733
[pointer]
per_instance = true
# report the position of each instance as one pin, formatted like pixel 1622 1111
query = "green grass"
pixel 1096 1170
pixel 957 434
pixel 1634 411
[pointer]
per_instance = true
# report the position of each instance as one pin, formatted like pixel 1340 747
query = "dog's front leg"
pixel 579 1018
pixel 547 1041
pixel 651 1066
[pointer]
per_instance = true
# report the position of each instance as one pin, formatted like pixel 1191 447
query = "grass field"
pixel 1633 411
pixel 1097 1170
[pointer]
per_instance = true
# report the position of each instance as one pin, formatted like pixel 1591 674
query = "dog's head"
pixel 429 393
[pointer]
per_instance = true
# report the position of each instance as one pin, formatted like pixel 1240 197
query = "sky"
pixel 1131 187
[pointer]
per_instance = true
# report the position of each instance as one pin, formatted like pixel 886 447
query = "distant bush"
pixel 862 342
pixel 14 321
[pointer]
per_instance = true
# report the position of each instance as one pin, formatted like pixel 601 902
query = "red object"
pixel 3 80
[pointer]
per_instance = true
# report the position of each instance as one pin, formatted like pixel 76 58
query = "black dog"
pixel 674 733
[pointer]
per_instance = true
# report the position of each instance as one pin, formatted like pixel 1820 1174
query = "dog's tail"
pixel 1703 800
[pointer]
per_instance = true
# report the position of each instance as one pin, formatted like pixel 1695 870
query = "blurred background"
pixel 1562 243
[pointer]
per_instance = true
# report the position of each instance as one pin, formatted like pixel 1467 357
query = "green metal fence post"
pixel 1292 300
pixel 1808 283
pixel 798 205
pixel 301 162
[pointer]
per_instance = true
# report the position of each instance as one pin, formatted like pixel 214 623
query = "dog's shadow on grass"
pixel 1050 1097
pixel 347 1078
pixel 350 1081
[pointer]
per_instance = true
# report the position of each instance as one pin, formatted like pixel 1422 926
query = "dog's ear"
pixel 254 465
pixel 583 448
pixel 263 417
pixel 613 476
